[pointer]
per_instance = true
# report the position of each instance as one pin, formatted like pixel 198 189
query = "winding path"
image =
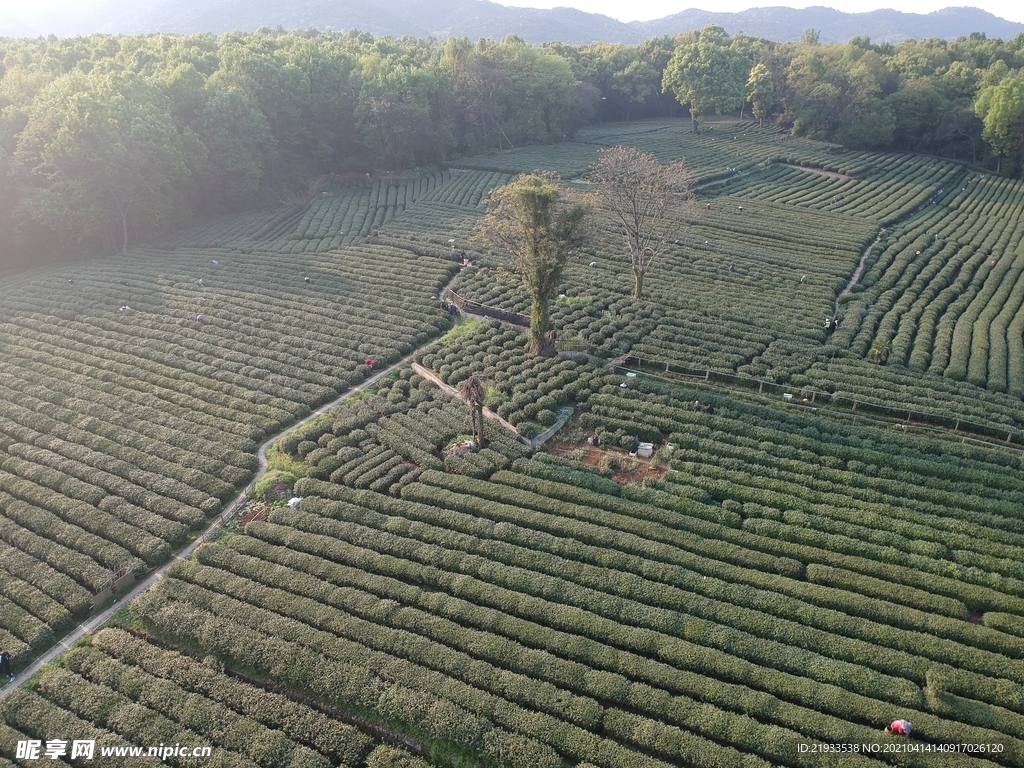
pixel 488 413
pixel 857 272
pixel 819 171
pixel 94 623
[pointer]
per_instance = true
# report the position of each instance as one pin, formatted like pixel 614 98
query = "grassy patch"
pixel 576 301
pixel 495 397
pixel 125 619
pixel 466 327
pixel 283 464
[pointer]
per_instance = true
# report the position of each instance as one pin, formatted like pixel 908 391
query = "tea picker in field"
pixel 900 727
pixel 5 664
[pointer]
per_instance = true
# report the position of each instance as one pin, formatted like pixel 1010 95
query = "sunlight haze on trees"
pixel 108 141
pixel 707 75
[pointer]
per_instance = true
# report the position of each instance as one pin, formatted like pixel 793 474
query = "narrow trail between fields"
pixel 819 171
pixel 720 182
pixel 95 623
pixel 426 373
pixel 857 273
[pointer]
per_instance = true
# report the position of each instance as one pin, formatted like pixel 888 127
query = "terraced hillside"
pixel 135 391
pixel 779 573
pixel 781 582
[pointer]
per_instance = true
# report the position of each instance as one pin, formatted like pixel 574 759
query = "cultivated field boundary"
pixel 97 622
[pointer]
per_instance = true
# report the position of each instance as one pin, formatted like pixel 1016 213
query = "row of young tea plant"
pixel 443 230
pixel 569 159
pixel 741 270
pixel 604 570
pixel 527 606
pixel 383 441
pixel 889 396
pixel 812 609
pixel 980 555
pixel 348 211
pixel 525 390
pixel 772 519
pixel 122 690
pixel 362 652
pixel 302 584
pixel 725 150
pixel 134 392
pixel 946 293
pixel 888 192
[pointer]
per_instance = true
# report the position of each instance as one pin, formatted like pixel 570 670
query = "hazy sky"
pixel 624 10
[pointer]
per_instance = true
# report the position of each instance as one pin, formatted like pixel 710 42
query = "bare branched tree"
pixel 647 199
pixel 473 393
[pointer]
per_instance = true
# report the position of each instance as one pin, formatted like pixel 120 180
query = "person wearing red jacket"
pixel 900 727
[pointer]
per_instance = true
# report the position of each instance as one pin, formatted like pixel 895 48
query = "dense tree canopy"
pixel 98 156
pixel 1001 109
pixel 106 140
pixel 536 221
pixel 707 75
pixel 760 91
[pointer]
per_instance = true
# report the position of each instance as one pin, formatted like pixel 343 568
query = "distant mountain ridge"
pixel 882 26
pixel 481 18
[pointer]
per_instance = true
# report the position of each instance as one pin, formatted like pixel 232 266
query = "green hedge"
pixel 296 547
pixel 343 744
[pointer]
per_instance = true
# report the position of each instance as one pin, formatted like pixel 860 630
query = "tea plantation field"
pixel 135 391
pixel 786 580
pixel 780 573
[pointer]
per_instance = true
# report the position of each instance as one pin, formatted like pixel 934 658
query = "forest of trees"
pixel 106 140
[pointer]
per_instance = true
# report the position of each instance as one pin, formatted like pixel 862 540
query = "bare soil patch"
pixel 633 469
pixel 257 510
